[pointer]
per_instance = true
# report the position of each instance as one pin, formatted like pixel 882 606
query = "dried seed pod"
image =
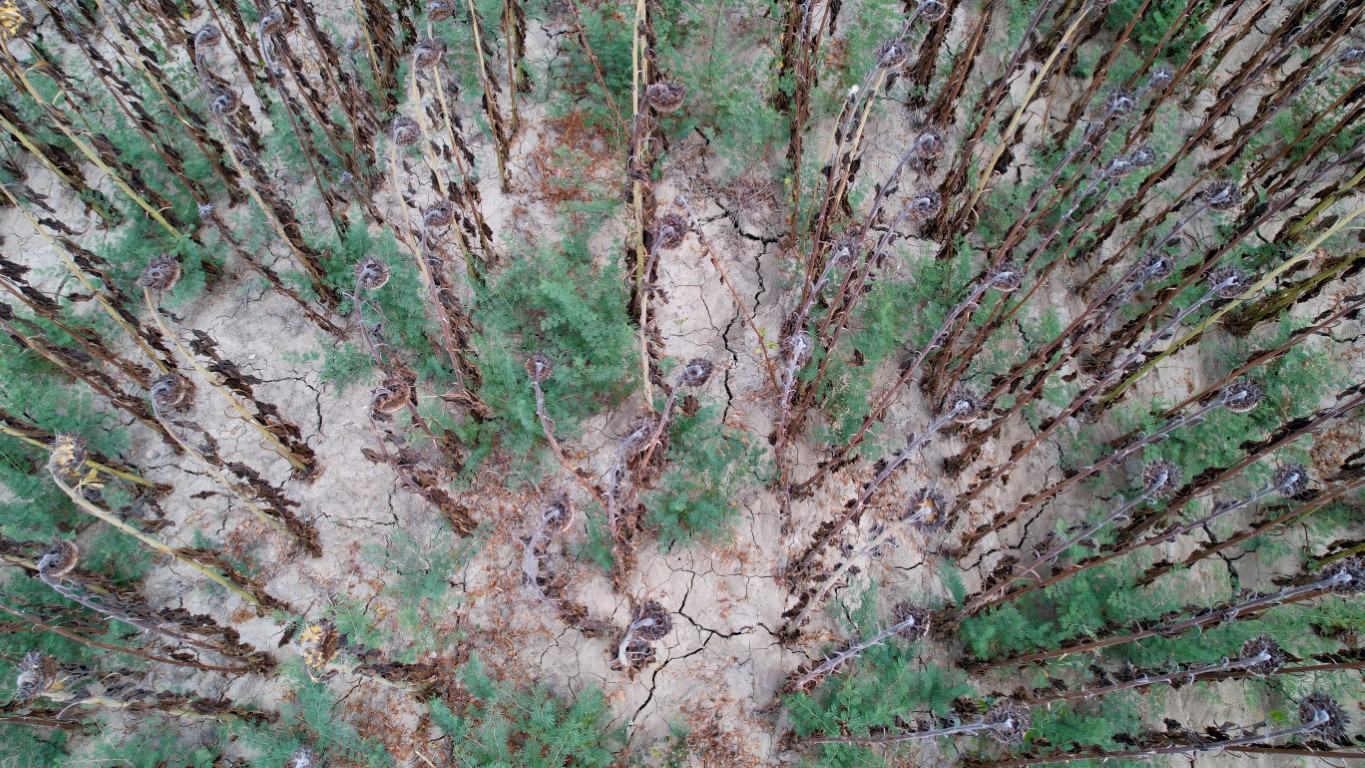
pixel 171 391
pixel 68 456
pixel 1292 480
pixel 925 205
pixel 1120 102
pixel 639 653
pixel 405 131
pixel 1011 720
pixel 652 621
pixel 371 274
pixel 1159 78
pixel 1006 277
pixel 225 102
pixel 696 373
pixel 272 23
pixel 1222 196
pixel 1319 706
pixel 207 37
pixel 928 507
pixel 539 367
pixel 428 52
pixel 1228 282
pixel 797 348
pixel 161 274
pixel 1259 645
pixel 669 231
pixel 1350 576
pixel 319 644
pixel 392 396
pixel 1241 396
pixel 558 514
pixel 915 618
pixel 844 252
pixel 1160 478
pixel 929 144
pixel 439 215
pixel 37 675
pixel 932 10
pixel 893 54
pixel 665 96
pixel 440 10
pixel 1142 157
pixel 59 559
pixel 965 406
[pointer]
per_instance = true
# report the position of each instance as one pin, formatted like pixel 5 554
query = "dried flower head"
pixel 1222 196
pixel 928 508
pixel 915 619
pixel 932 10
pixel 393 395
pixel 652 622
pixel 1120 102
pixel 440 10
pixel 439 215
pixel 539 367
pixel 1354 54
pixel 696 373
pixel 405 131
pixel 1159 78
pixel 665 96
pixel 208 36
pixel 271 23
pixel 1142 157
pixel 1119 167
pixel 925 204
pixel 669 231
pixel 59 559
pixel 1241 396
pixel 638 653
pixel 964 405
pixel 1154 266
pixel 1348 575
pixel 1160 478
pixel 1006 277
pixel 929 144
pixel 428 52
pixel 161 274
pixel 797 348
pixel 225 102
pixel 1228 282
pixel 171 391
pixel 844 251
pixel 319 644
pixel 558 514
pixel 638 435
pixel 38 674
pixel 67 457
pixel 371 273
pixel 16 20
pixel 1011 722
pixel 1292 480
pixel 303 757
pixel 1257 646
pixel 1331 720
pixel 893 54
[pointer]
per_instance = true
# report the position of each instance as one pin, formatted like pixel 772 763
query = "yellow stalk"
pixel 105 468
pixel 218 387
pixel 154 543
pixel 1302 255
pixel 1023 105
